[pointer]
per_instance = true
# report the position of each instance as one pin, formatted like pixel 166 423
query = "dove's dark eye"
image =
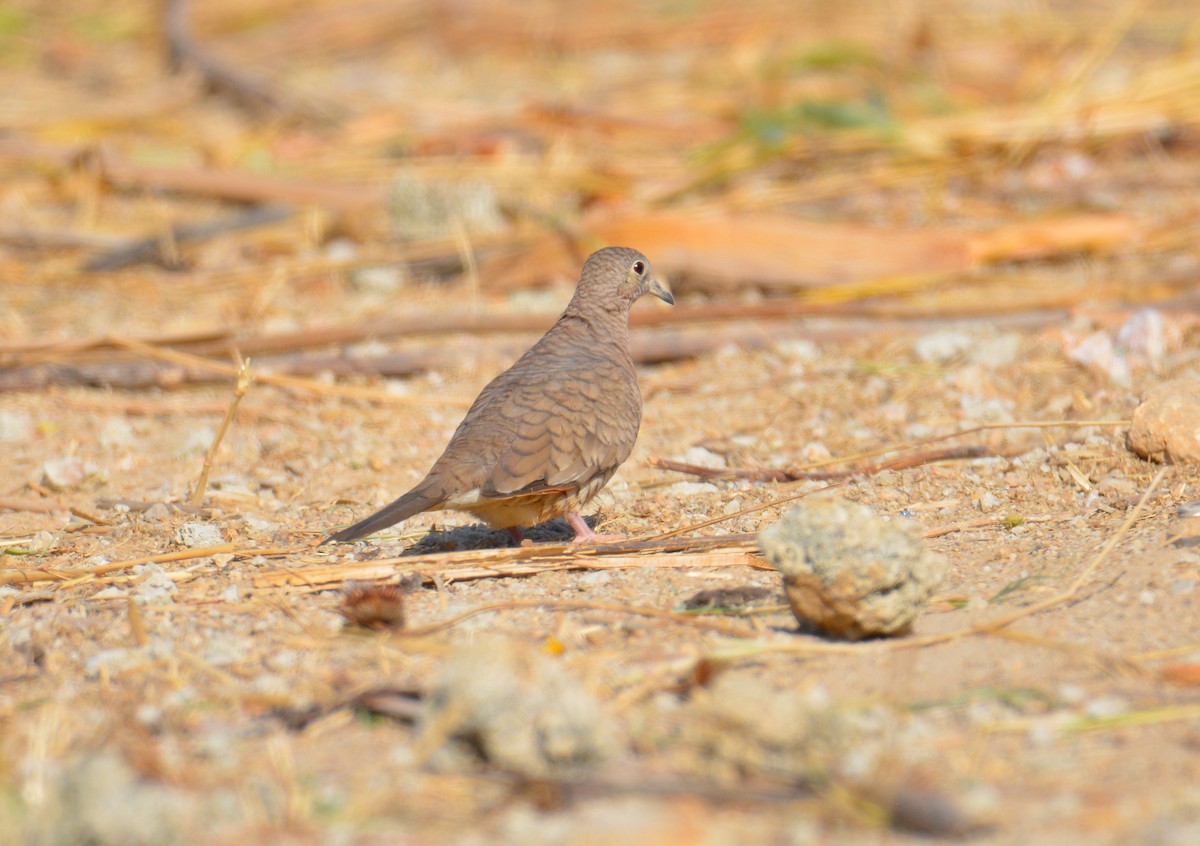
pixel 639 267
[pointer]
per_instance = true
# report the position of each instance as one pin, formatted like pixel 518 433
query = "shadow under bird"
pixel 546 435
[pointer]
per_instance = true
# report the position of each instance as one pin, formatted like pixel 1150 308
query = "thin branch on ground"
pixel 239 390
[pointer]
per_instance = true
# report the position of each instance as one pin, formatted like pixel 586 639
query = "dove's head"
pixel 620 275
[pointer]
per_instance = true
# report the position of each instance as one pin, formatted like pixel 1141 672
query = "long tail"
pixel 413 502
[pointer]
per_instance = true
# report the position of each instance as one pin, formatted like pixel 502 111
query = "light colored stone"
pixel 196 535
pixel 848 571
pixel 517 707
pixel 1166 425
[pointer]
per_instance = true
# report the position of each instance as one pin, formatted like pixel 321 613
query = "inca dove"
pixel 547 434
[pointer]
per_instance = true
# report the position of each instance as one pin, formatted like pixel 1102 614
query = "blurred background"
pixel 244 168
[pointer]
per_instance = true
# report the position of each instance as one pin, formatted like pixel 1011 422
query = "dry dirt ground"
pixel 1060 731
pixel 217 694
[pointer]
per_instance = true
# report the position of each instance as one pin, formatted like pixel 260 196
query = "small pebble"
pixel 197 535
pixel 341 249
pixel 156 513
pixel 111 660
pixel 285 659
pixel 1166 425
pixel 149 715
pixel 815 451
pixel 942 347
pixel 1106 707
pixel 1071 694
pixel 798 349
pixel 686 489
pixel 259 526
pixel 1147 597
pixel 44 541
pixel 994 353
pixel 1182 587
pixel 117 432
pixel 196 442
pixel 62 474
pixel 702 457
pixel 381 280
pixel 15 426
pixel 156 589
pixel 223 650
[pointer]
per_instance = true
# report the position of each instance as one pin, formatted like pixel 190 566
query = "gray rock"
pixel 517 707
pixel 848 571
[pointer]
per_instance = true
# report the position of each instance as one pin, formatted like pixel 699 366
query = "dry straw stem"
pixel 704 552
pixel 217 341
pixel 1068 92
pixel 12 576
pixel 137 625
pixel 288 383
pixel 973 430
pixel 239 390
pixel 937 532
pixel 903 462
pixel 985 522
pixel 804 472
pixel 33 506
pixel 1130 719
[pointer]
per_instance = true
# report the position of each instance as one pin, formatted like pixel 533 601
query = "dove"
pixel 546 435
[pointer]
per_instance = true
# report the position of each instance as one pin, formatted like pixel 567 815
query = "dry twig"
pixel 239 390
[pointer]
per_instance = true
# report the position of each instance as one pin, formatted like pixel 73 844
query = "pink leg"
pixel 515 534
pixel 584 534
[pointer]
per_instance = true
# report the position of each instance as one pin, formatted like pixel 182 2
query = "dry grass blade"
pixel 14 576
pixel 239 390
pixel 900 463
pixel 723 551
pixel 289 383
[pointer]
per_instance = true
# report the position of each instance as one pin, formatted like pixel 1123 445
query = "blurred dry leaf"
pixel 785 251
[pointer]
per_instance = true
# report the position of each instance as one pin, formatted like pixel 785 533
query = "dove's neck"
pixel 598 328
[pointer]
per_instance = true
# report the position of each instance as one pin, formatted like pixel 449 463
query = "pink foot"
pixel 518 539
pixel 584 534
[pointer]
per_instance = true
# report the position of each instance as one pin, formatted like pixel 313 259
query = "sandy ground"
pixel 1062 730
pixel 217 694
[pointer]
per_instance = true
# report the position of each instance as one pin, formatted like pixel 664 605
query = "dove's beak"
pixel 659 290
